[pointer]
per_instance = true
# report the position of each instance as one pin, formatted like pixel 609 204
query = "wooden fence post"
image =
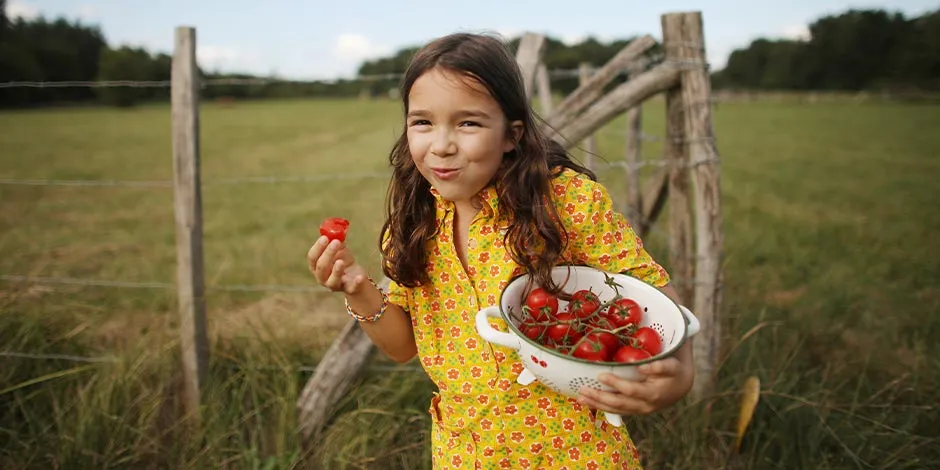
pixel 676 155
pixel 187 196
pixel 684 42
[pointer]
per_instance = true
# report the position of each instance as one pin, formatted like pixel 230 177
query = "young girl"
pixel 478 195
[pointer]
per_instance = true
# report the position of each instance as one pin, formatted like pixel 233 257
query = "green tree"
pixel 125 63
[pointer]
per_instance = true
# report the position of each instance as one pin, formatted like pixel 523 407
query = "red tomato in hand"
pixel 625 312
pixel 584 303
pixel 542 305
pixel 592 348
pixel 334 228
pixel 631 354
pixel 649 340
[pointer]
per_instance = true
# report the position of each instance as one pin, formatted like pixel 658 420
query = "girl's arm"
pixel 336 269
pixel 393 333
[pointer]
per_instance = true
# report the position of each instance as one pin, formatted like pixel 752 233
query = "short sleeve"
pixel 398 295
pixel 600 236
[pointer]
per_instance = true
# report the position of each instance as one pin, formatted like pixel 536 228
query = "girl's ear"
pixel 513 135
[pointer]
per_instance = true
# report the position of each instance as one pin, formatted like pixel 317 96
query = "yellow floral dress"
pixel 482 418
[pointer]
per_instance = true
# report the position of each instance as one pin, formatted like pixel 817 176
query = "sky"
pixel 309 40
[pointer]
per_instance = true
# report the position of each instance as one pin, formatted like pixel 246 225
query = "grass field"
pixel 831 293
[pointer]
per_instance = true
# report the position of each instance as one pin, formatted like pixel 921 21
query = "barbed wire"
pixel 233 81
pixel 158 285
pixel 204 182
pixel 114 359
pixel 298 179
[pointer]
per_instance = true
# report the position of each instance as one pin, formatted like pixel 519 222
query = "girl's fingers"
pixel 615 403
pixel 314 253
pixel 335 280
pixel 665 367
pixel 326 262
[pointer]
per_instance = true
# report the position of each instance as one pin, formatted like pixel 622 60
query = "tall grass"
pixel 830 296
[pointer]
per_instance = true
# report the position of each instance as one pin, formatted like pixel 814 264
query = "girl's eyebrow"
pixel 460 114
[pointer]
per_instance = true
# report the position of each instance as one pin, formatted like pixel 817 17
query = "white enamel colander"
pixel 567 374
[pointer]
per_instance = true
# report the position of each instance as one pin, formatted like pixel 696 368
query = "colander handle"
pixel 694 325
pixel 491 334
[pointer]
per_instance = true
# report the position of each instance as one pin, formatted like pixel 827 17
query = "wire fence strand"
pixel 114 359
pixel 158 285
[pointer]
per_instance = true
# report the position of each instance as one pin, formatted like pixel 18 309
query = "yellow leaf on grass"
pixel 750 395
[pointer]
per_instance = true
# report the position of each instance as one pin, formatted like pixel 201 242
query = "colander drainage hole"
pixel 579 382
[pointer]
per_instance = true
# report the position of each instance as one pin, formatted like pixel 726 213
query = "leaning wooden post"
pixel 544 84
pixel 528 56
pixel 682 33
pixel 190 286
pixel 584 74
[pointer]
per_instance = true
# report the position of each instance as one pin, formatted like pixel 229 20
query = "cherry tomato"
pixel 625 312
pixel 584 303
pixel 592 348
pixel 564 329
pixel 630 354
pixel 542 305
pixel 649 340
pixel 609 339
pixel 334 228
pixel 534 332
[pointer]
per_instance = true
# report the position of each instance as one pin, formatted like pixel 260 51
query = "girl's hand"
pixel 335 267
pixel 666 382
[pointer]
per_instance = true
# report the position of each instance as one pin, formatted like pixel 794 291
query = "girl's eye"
pixel 420 122
pixel 469 123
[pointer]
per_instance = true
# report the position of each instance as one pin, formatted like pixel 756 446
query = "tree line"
pixel 855 50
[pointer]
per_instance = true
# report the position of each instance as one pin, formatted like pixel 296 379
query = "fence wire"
pixel 115 359
pixel 159 285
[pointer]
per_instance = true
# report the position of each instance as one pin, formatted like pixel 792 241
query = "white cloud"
pixel 353 47
pixel 16 9
pixel 796 32
pixel 226 59
pixel 572 39
pixel 88 12
pixel 509 33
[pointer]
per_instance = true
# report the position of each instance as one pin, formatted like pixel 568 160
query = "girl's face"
pixel 457 134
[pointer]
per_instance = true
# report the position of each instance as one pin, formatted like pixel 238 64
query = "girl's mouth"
pixel 445 173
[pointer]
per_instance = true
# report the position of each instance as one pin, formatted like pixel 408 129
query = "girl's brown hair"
pixel 533 237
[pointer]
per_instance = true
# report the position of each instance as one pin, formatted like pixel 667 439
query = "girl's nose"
pixel 443 145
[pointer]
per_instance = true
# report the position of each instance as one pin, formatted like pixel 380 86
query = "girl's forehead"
pixel 438 82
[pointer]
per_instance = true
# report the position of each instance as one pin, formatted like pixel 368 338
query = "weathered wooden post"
pixel 544 84
pixel 684 40
pixel 190 284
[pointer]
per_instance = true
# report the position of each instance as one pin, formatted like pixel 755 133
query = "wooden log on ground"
pixel 590 91
pixel 683 37
pixel 528 56
pixel 343 362
pixel 625 96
